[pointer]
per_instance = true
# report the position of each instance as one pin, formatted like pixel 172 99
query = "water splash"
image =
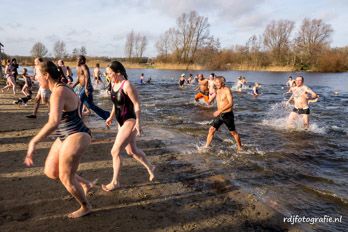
pixel 277 117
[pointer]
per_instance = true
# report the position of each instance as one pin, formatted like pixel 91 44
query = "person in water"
pixel 301 96
pixel 240 84
pixel 86 93
pixel 97 74
pixel 203 89
pixel 73 138
pixel 126 110
pixel 211 86
pixel 190 79
pixel 224 113
pixel 182 80
pixel 290 83
pixel 256 87
pixel 141 79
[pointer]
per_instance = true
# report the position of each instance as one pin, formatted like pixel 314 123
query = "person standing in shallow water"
pixel 126 109
pixel 224 113
pixel 86 92
pixel 73 138
pixel 301 95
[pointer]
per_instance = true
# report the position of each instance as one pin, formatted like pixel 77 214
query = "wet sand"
pixel 185 196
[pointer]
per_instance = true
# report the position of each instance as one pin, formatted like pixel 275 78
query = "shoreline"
pixel 188 193
pixel 194 67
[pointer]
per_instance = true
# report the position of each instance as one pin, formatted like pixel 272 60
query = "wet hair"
pixel 97 65
pixel 212 74
pixel 290 77
pixel 50 68
pixel 62 62
pixel 118 67
pixel 81 60
pixel 25 71
pixel 39 59
pixel 14 60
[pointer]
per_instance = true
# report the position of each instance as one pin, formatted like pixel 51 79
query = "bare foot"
pixel 109 187
pixel 89 186
pixel 152 173
pixel 83 211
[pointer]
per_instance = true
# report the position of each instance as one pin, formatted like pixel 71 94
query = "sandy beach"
pixel 186 195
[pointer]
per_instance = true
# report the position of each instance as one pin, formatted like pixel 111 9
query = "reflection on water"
pixel 294 171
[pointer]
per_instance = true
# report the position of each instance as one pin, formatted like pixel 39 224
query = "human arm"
pixel 133 95
pixel 109 120
pixel 311 92
pixel 56 108
pixel 86 75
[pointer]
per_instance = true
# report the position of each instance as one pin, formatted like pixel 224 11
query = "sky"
pixel 102 25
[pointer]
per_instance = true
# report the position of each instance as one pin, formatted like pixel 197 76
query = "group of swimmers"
pixel 215 88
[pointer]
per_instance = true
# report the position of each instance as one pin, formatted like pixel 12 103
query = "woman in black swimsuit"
pixel 126 109
pixel 73 138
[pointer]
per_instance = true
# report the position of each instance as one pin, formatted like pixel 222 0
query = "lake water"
pixel 296 172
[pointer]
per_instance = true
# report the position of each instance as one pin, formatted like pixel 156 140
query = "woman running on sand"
pixel 74 137
pixel 126 108
pixel 10 78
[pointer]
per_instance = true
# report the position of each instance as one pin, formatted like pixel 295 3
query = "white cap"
pixel 183 74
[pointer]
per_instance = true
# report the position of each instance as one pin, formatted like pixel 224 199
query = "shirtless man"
pixel 301 98
pixel 97 74
pixel 43 94
pixel 86 93
pixel 224 113
pixel 203 89
pixel 211 86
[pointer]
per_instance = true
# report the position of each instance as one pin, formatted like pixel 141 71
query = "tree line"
pixel 190 42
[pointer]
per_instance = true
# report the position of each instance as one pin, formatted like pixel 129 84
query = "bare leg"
pixel 69 157
pixel 13 83
pixel 122 139
pixel 210 136
pixel 37 103
pixel 291 119
pixel 305 120
pixel 237 139
pixel 86 184
pixel 51 169
pixel 140 156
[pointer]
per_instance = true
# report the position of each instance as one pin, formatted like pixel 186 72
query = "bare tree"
pixel 137 40
pixel 277 39
pixel 38 50
pixel 142 46
pixel 313 37
pixel 83 51
pixel 59 49
pixel 192 31
pixel 75 53
pixel 162 45
pixel 129 47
